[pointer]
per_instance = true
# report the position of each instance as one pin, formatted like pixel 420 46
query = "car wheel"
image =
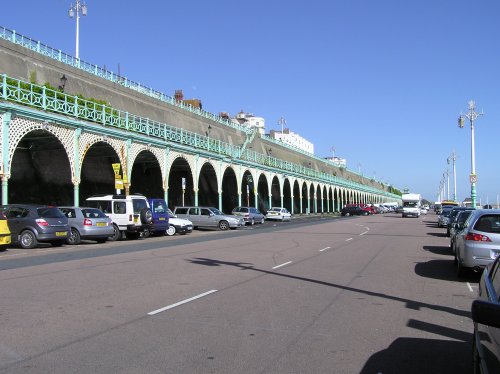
pixel 262 221
pixel 347 214
pixel 74 237
pixel 252 222
pixel 146 233
pixel 223 225
pixel 365 213
pixel 116 234
pixel 146 216
pixel 171 230
pixel 27 239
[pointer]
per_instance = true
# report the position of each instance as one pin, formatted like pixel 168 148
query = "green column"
pixel 165 183
pixel 6 118
pixel 220 200
pixel 76 160
pixel 293 203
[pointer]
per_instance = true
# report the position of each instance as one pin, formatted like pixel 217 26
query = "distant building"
pixel 247 119
pixel 340 162
pixel 195 103
pixel 293 139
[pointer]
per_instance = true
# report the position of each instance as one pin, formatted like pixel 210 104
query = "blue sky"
pixel 382 82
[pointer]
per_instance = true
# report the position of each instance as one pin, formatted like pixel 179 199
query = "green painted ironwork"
pixel 39 97
pixel 57 54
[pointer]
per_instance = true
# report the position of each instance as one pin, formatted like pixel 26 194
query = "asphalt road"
pixel 373 294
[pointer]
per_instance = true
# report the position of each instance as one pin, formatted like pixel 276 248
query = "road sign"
pixel 183 183
pixel 119 184
pixel 116 168
pixel 473 178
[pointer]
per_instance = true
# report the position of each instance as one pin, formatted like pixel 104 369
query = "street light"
pixel 453 158
pixel 78 8
pixel 472 115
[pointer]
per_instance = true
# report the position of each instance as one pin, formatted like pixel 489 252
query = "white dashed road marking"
pixel 180 303
pixel 286 263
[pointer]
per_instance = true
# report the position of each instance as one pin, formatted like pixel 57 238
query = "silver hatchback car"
pixel 478 244
pixel 87 223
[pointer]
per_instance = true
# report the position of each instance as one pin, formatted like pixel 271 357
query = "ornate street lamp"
pixel 472 115
pixel 78 8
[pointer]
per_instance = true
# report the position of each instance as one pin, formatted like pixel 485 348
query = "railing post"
pixel 126 121
pixel 13 36
pixel 103 114
pixel 4 86
pixel 44 98
pixel 75 112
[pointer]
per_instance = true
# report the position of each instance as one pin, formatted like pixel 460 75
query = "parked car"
pixel 208 217
pixel 160 217
pixel 178 225
pixel 250 215
pixel 457 226
pixel 478 244
pixel 443 217
pixel 451 217
pixel 130 214
pixel 486 316
pixel 279 214
pixel 30 224
pixel 353 210
pixel 5 236
pixel 87 223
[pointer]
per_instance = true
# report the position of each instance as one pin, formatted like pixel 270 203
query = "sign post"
pixel 248 195
pixel 118 178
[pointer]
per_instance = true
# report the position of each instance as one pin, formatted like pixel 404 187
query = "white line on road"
pixel 286 263
pixel 324 249
pixel 348 239
pixel 180 303
pixel 470 287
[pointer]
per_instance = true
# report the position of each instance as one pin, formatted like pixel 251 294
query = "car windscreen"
pixel 50 213
pixel 160 206
pixel 217 212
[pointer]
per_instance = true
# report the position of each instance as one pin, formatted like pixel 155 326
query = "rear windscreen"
pixel 50 213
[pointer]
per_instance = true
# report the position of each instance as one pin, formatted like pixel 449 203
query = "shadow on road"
pixel 438 234
pixel 443 270
pixel 411 304
pixel 439 250
pixel 417 356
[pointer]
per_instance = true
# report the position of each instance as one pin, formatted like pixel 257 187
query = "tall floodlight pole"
pixel 77 9
pixel 453 159
pixel 472 115
pixel 282 122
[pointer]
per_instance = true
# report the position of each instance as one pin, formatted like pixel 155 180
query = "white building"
pixel 249 120
pixel 293 139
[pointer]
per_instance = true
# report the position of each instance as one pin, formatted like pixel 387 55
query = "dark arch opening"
pixel 229 191
pixel 146 176
pixel 207 187
pixel 177 196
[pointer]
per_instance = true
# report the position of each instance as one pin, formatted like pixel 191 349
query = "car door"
pixel 208 218
pixel 16 216
pixel 194 216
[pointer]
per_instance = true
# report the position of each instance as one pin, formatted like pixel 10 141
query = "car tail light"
pixel 477 237
pixel 87 222
pixel 130 218
pixel 247 215
pixel 41 222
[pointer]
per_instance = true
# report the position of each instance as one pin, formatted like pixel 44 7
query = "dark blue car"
pixel 159 225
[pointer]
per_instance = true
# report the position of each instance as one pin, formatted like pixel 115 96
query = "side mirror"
pixel 486 313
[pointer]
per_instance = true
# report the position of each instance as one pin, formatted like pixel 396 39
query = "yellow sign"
pixel 118 176
pixel 116 168
pixel 125 180
pixel 118 184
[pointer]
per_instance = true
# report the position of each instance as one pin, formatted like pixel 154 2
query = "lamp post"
pixel 453 158
pixel 472 115
pixel 78 8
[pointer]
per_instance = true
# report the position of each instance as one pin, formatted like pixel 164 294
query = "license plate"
pixel 136 219
pixel 101 224
pixel 61 233
pixel 162 218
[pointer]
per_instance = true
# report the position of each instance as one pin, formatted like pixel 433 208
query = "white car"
pixel 178 225
pixel 280 214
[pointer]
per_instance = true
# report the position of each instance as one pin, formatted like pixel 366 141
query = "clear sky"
pixel 382 82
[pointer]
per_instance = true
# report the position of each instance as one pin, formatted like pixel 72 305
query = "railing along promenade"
pixel 57 54
pixel 41 97
pixel 65 58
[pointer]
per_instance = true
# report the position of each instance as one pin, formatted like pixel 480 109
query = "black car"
pixel 354 211
pixel 30 224
pixel 486 317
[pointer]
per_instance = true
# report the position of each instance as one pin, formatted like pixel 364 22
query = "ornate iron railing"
pixel 63 57
pixel 41 97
